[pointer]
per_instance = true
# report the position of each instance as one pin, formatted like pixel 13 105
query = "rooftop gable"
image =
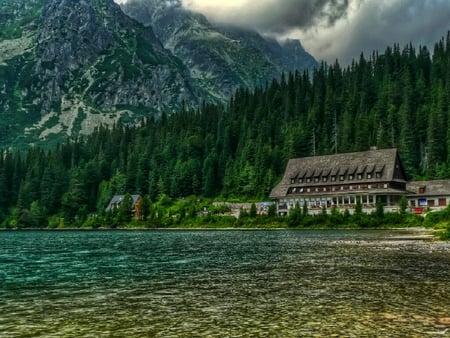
pixel 117 200
pixel 367 166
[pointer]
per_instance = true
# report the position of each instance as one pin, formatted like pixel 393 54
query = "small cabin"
pixel 117 200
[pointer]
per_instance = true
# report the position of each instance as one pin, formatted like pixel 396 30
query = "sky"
pixel 336 29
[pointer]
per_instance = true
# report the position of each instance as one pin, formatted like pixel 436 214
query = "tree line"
pixel 399 98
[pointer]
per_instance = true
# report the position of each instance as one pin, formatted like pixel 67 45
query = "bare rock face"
pixel 122 62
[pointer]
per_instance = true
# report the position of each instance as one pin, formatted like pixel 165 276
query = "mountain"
pixel 77 64
pixel 68 66
pixel 220 58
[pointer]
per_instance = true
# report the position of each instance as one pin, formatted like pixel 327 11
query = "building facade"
pixel 428 195
pixel 343 180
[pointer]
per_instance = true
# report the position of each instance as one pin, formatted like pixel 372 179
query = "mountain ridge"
pixel 252 59
pixel 67 67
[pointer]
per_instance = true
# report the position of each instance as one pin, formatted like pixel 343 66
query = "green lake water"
pixel 222 284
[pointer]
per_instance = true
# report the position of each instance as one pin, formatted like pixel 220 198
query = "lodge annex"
pixel 341 180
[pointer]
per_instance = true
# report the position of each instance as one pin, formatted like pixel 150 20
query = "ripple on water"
pixel 221 283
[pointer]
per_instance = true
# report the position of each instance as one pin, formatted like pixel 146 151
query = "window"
pixel 378 175
pixel 385 186
pixel 316 190
pixel 342 177
pixel 325 189
pixel 333 178
pixel 300 180
pixel 308 180
pixel 442 202
pixel 359 176
pixel 301 190
pixel 422 190
pixel 292 180
pixel 369 175
pixel 430 203
pixel 324 179
pixel 316 179
pixel 350 177
pixel 308 190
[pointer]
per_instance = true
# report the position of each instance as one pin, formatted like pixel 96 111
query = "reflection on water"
pixel 222 284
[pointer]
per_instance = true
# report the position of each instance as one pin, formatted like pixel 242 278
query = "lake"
pixel 222 284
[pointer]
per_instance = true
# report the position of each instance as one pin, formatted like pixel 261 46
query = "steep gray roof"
pixel 117 200
pixel 429 188
pixel 366 167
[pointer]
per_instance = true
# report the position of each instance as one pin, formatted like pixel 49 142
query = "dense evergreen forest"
pixel 396 99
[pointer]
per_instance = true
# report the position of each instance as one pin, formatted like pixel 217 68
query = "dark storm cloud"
pixel 280 16
pixel 378 24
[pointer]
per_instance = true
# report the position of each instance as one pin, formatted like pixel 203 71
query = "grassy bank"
pixel 196 213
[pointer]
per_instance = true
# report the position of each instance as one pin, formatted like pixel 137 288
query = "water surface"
pixel 222 284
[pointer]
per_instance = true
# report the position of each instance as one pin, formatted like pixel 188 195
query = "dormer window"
pixel 292 180
pixel 308 180
pixel 316 179
pixel 378 175
pixel 422 190
pixel 350 177
pixel 300 180
pixel 342 177
pixel 369 175
pixel 324 179
pixel 359 176
pixel 333 178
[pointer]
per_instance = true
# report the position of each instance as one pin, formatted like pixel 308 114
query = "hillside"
pixel 398 99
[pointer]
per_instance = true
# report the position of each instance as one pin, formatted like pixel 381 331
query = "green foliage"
pixel 403 205
pixel 16 16
pixel 295 216
pixel 379 209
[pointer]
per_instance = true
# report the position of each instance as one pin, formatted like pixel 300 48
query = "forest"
pixel 399 98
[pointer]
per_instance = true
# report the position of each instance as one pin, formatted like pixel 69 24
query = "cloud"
pixel 336 29
pixel 272 16
pixel 374 25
